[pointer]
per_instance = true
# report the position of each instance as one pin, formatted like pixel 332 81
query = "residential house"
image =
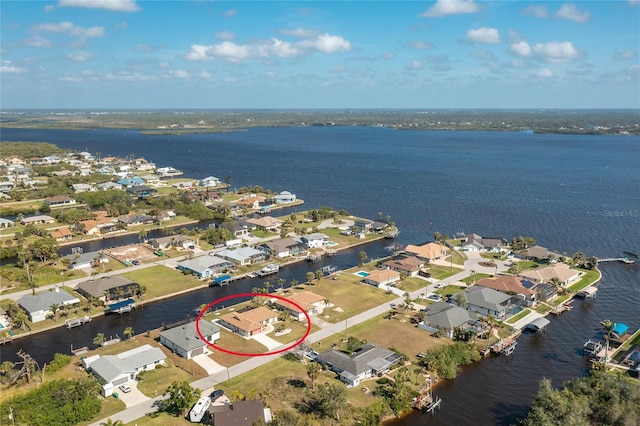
pixel 428 252
pixel 545 274
pixel 6 186
pixel 98 226
pixel 59 200
pixel 171 242
pixel 115 370
pixel 38 307
pixel 40 219
pixel 285 247
pixel 206 266
pixel 141 191
pixel 114 286
pixel 251 202
pixel 109 185
pixel 61 234
pixel 310 302
pixel 185 341
pixel 243 255
pixel 249 323
pixel 240 413
pixel 210 181
pixel 166 215
pixel 151 180
pixel 285 197
pixel 131 182
pixel 364 225
pixel 185 184
pixel 538 253
pixel 474 242
pixel 524 290
pixel 266 222
pixel 65 173
pixel 82 187
pixel 382 277
pixel 90 259
pixel 139 219
pixel 445 317
pixel 6 223
pixel 315 240
pixel 487 301
pixel 368 361
pixel 408 265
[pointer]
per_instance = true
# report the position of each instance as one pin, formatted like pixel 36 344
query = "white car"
pixel 125 388
pixel 439 285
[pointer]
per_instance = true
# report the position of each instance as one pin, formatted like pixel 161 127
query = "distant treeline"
pixel 29 149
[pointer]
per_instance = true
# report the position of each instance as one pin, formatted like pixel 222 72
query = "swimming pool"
pixel 362 274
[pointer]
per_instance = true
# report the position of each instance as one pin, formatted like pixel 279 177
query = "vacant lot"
pixel 132 252
pixel 161 281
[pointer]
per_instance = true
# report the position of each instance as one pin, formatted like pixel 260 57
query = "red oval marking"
pixel 235 296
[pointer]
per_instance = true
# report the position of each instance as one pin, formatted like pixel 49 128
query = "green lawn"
pixel 160 379
pixel 589 277
pixel 441 272
pixel 298 329
pixel 450 289
pixel 161 281
pixel 236 343
pixel 411 284
pixel 542 308
pixel 160 419
pixel 518 316
pixel 474 278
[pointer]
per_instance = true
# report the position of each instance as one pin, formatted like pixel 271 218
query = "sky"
pixel 468 54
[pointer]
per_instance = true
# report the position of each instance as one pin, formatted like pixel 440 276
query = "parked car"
pixel 125 388
pixel 136 262
pixel 439 285
pixel 435 297
pixel 393 305
pixel 216 394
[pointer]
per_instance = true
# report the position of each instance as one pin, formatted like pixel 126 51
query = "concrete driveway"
pixel 207 363
pixel 267 341
pixel 132 398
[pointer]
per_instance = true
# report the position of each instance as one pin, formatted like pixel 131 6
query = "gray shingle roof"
pixel 486 298
pixel 96 288
pixel 446 315
pixel 366 358
pixel 108 367
pixel 43 301
pixel 186 337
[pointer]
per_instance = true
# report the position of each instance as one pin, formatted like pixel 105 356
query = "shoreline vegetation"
pixel 166 122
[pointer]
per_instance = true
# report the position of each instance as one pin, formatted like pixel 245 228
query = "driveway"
pixel 266 341
pixel 132 398
pixel 207 363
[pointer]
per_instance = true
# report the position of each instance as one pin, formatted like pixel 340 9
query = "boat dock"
pixel 77 322
pixel 626 260
pixel 557 310
pixel 504 346
pixel 591 348
pixel 427 403
pixel 121 307
pixel 588 292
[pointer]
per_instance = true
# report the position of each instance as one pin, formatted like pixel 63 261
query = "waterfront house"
pixel 141 191
pixel 524 290
pixel 61 234
pixel 171 242
pixel 151 179
pixel 368 361
pixel 285 247
pixel 90 259
pixel 285 197
pixel 210 181
pixel 107 287
pixel 545 274
pixel 38 307
pixel 267 223
pixel 98 226
pixel 382 277
pixel 240 413
pixel 206 266
pixel 474 242
pixel 249 323
pixel 109 185
pixel 487 301
pixel 538 253
pixel 427 252
pixel 315 240
pixel 364 225
pixel 6 223
pixel 310 302
pixel 139 219
pixel 82 187
pixel 59 200
pixel 131 182
pixel 445 317
pixel 40 219
pixel 243 255
pixel 166 215
pixel 408 265
pixel 115 370
pixel 185 341
pixel 251 202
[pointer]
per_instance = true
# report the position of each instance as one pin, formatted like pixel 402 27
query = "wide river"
pixel 569 192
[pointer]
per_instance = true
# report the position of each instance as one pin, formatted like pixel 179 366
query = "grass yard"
pixel 542 308
pixel 236 343
pixel 471 279
pixel 518 316
pixel 161 419
pixel 160 379
pixel 441 272
pixel 450 289
pixel 412 284
pixel 160 281
pixel 589 277
pixel 298 330
pixel 458 257
pixel 110 406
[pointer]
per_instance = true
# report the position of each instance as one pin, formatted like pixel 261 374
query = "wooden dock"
pixel 557 310
pixel 427 403
pixel 504 346
pixel 77 322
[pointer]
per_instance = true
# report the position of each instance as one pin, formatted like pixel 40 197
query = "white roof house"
pixel 39 306
pixel 115 370
pixel 315 240
pixel 243 255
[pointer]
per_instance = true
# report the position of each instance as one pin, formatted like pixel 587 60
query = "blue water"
pixel 569 192
pixel 362 274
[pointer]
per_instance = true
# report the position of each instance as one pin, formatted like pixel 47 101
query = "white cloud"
pixel 181 74
pixel 521 48
pixel 539 11
pixel 389 55
pixel 224 36
pixel 422 45
pixel 143 48
pixel 37 41
pixel 233 52
pixel 204 74
pixel 229 80
pixel 483 55
pixel 299 32
pixel 514 37
pixel 164 65
pixel 7 67
pixel 626 54
pixel 633 2
pixel 49 8
pixel 557 52
pixel 483 35
pixel 570 11
pixel 544 73
pixel 451 7
pixel 270 74
pixel 414 65
pixel 112 5
pixel 231 13
pixel 67 28
pixel 79 56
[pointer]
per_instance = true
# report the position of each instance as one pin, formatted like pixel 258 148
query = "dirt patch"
pixel 132 252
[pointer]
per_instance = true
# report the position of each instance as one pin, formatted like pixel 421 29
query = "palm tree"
pixel 267 286
pixel 363 257
pixel 557 284
pixel 473 277
pixel 319 275
pixel 313 371
pixel 110 422
pixel 54 308
pixel 608 326
pixel 128 332
pixel 99 339
pixel 281 282
pixel 310 276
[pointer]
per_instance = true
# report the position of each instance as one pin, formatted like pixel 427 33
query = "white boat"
pixel 199 410
pixel 168 172
pixel 271 268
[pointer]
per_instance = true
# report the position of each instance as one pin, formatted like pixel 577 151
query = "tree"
pixel 437 236
pixel 281 282
pixel 99 339
pixel 310 276
pixel 319 275
pixel 557 284
pixel 473 277
pixel 608 327
pixel 578 259
pixel 110 422
pixel 267 286
pixel 180 396
pixel 54 308
pixel 363 257
pixel 313 370
pixel 329 400
pixel 128 332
